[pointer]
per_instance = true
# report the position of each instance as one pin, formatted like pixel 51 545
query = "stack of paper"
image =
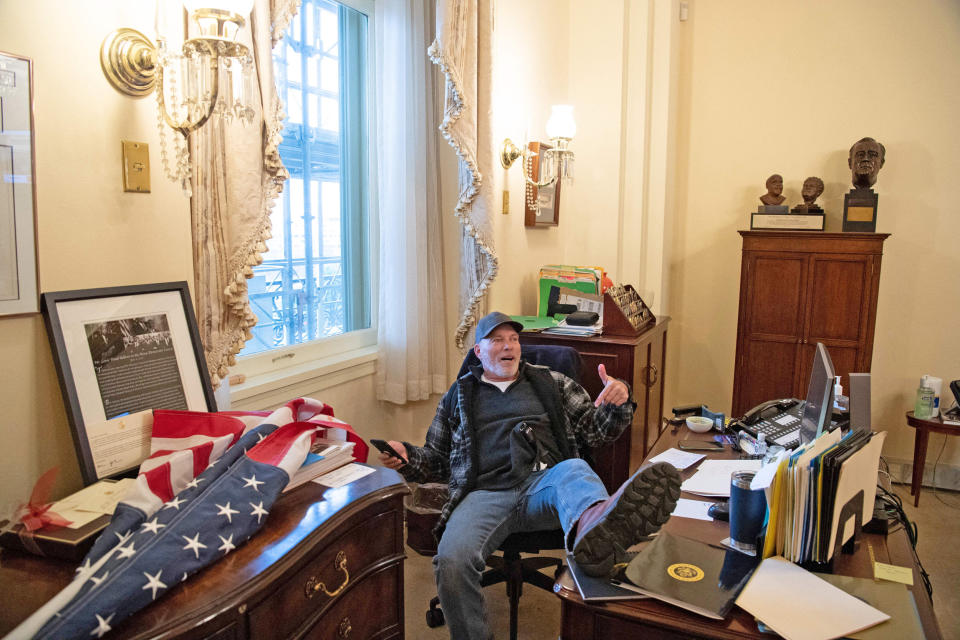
pixel 800 606
pixel 713 477
pixel 325 456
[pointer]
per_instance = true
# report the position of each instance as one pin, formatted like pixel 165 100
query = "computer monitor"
pixel 817 408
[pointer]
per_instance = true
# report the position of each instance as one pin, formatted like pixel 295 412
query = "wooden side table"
pixel 924 429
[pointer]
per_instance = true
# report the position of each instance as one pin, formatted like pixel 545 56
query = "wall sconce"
pixel 210 76
pixel 557 162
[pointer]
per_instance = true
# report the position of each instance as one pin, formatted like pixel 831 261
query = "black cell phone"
pixel 700 445
pixel 387 449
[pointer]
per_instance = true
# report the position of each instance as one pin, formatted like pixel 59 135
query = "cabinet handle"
pixel 650 375
pixel 344 629
pixel 314 585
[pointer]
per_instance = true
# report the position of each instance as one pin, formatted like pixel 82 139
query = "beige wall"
pixel 787 87
pixel 89 233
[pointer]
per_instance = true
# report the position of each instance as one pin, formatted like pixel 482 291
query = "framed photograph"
pixel 18 204
pixel 541 205
pixel 120 353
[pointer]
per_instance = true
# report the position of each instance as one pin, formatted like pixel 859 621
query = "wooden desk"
pixel 641 362
pixel 924 428
pixel 655 619
pixel 261 590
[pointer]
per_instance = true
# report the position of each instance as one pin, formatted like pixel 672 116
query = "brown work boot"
pixel 638 508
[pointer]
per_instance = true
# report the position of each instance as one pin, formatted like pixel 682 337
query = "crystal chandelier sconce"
pixel 210 76
pixel 557 162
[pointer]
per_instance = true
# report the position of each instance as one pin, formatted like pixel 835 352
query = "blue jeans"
pixel 548 499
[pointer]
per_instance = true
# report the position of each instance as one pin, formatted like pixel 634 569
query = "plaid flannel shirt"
pixel 449 453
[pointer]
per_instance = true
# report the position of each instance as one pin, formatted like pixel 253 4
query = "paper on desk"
pixel 692 509
pixel 884 571
pixel 767 472
pixel 343 475
pixel 800 606
pixel 713 476
pixel 679 459
pixel 90 503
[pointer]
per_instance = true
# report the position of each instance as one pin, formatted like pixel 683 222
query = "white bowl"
pixel 699 424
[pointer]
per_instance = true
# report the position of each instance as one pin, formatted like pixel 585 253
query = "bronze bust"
pixel 773 196
pixel 866 157
pixel 812 189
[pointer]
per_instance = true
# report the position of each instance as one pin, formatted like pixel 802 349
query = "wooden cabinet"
pixel 641 362
pixel 796 289
pixel 323 556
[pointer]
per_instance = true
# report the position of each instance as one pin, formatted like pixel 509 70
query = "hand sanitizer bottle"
pixel 840 401
pixel 761 451
pixel 923 407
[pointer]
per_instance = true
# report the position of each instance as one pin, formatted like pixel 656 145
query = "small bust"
pixel 812 189
pixel 774 190
pixel 866 157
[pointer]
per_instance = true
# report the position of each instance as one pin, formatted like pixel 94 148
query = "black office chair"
pixel 510 567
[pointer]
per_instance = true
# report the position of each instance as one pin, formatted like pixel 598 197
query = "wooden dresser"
pixel 641 362
pixel 798 288
pixel 315 570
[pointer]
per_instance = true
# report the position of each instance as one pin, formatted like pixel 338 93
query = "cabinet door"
pixel 838 309
pixel 771 327
pixel 651 376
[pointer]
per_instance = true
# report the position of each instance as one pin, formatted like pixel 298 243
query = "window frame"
pixel 325 361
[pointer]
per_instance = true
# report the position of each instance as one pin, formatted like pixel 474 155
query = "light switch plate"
pixel 136 166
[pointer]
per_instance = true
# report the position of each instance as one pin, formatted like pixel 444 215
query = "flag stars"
pixel 193 484
pixel 122 537
pixel 153 526
pixel 153 583
pixel 227 545
pixel 96 581
pixel 103 626
pixel 174 504
pixel 258 510
pixel 252 482
pixel 225 510
pixel 125 552
pixel 194 544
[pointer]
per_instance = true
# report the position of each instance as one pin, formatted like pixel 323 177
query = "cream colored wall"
pixel 787 87
pixel 89 233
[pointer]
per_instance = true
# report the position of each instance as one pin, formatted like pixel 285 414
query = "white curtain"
pixel 462 49
pixel 411 328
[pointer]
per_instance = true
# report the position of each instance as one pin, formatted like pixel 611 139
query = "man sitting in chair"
pixel 508 437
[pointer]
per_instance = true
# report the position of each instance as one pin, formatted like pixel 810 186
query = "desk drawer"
pixel 329 576
pixel 365 613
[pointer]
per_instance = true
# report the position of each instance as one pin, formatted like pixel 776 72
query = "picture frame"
pixel 18 194
pixel 121 352
pixel 541 205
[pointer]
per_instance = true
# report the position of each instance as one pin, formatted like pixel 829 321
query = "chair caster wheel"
pixel 435 618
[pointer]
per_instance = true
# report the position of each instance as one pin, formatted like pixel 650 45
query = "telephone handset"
pixel 767 409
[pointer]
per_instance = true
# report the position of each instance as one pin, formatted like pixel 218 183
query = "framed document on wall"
pixel 18 247
pixel 120 353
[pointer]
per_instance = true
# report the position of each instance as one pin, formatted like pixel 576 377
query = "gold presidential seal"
pixel 685 572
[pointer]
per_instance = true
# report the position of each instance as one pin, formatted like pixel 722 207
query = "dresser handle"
pixel 344 630
pixel 313 585
pixel 651 375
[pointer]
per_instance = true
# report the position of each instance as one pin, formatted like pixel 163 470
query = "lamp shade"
pixel 561 123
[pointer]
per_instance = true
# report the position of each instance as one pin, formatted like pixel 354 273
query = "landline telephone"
pixel 767 409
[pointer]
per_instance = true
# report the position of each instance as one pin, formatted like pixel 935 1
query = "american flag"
pixel 207 486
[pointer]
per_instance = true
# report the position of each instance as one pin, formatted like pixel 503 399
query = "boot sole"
pixel 646 503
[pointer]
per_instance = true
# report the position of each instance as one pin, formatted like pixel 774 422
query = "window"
pixel 315 278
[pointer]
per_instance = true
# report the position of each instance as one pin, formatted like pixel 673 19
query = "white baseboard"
pixel 948 476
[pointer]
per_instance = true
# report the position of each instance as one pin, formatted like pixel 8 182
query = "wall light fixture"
pixel 210 76
pixel 557 163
